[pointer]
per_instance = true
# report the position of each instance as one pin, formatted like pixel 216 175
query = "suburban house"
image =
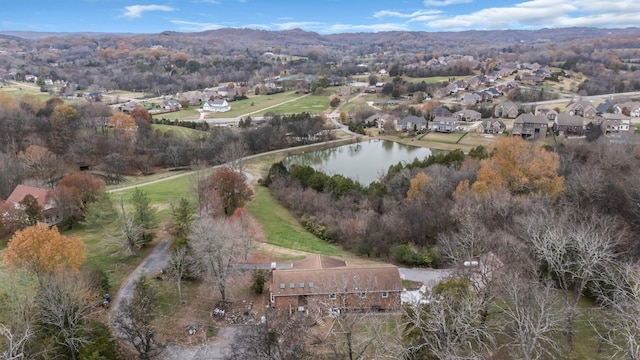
pixel 444 124
pixel 380 119
pixel 491 126
pixel 441 111
pixel 128 106
pixel 631 109
pixel 507 110
pixel 569 125
pixel 467 115
pixel 324 283
pixel 226 92
pixel 217 105
pixel 50 214
pixel 530 126
pixel 472 99
pixel 582 108
pixel 95 96
pixel 615 123
pixel 171 105
pixel 547 112
pixel 604 107
pixel 411 122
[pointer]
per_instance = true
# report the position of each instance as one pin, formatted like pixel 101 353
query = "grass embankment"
pixel 282 229
pixel 181 131
pixel 161 194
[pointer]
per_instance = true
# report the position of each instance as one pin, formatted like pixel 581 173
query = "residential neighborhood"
pixel 286 192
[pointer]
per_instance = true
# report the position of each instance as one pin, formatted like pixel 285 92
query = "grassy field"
pixel 185 115
pixel 162 195
pixel 253 104
pixel 180 131
pixel 282 229
pixel 311 104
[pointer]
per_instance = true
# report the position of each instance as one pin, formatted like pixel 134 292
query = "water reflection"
pixel 363 162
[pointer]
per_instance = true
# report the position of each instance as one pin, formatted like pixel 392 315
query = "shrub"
pixel 412 255
pixel 258 280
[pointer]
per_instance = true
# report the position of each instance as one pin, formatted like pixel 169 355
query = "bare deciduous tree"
pixel 530 318
pixel 215 243
pixel 20 315
pixel 620 327
pixel 281 337
pixel 233 153
pixel 179 265
pixel 15 342
pixel 64 301
pixel 447 324
pixel 130 233
pixel 575 251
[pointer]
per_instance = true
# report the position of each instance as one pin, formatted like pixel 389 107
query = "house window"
pixel 385 294
pixel 332 296
pixel 310 284
pixel 363 295
pixel 301 285
pixel 282 286
pixel 292 285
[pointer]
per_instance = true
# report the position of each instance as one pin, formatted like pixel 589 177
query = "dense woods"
pixel 176 62
pixel 554 226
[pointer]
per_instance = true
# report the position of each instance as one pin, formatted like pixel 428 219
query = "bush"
pixel 412 255
pixel 258 280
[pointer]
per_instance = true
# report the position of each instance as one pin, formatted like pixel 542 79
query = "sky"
pixel 321 16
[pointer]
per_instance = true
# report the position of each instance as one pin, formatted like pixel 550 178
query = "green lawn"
pixel 108 253
pixel 185 115
pixel 180 131
pixel 282 229
pixel 311 104
pixel 162 195
pixel 254 103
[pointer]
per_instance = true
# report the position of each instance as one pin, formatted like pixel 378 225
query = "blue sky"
pixel 321 16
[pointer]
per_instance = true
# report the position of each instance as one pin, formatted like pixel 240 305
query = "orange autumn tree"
pixel 522 167
pixel 418 185
pixel 43 251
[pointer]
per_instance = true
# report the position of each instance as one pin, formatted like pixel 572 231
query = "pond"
pixel 364 162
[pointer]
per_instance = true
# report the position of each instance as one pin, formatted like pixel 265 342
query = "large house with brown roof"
pixel 569 125
pixel 50 214
pixel 582 108
pixel 506 110
pixel 322 283
pixel 530 126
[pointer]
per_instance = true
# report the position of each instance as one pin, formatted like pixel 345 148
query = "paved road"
pixel 152 264
pixel 426 276
pixel 209 350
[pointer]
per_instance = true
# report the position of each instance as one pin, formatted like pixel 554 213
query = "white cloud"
pixel 338 28
pixel 389 13
pixel 214 2
pixel 536 14
pixel 195 26
pixel 307 25
pixel 257 26
pixel 135 11
pixel 445 2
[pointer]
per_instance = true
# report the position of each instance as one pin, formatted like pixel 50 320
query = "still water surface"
pixel 364 162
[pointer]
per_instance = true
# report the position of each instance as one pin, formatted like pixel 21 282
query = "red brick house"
pixel 50 214
pixel 322 283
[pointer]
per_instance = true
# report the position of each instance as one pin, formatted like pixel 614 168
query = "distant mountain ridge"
pixel 548 34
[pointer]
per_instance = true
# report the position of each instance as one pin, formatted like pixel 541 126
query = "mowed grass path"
pixel 282 229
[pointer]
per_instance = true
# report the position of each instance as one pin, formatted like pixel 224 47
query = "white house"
pixel 217 105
